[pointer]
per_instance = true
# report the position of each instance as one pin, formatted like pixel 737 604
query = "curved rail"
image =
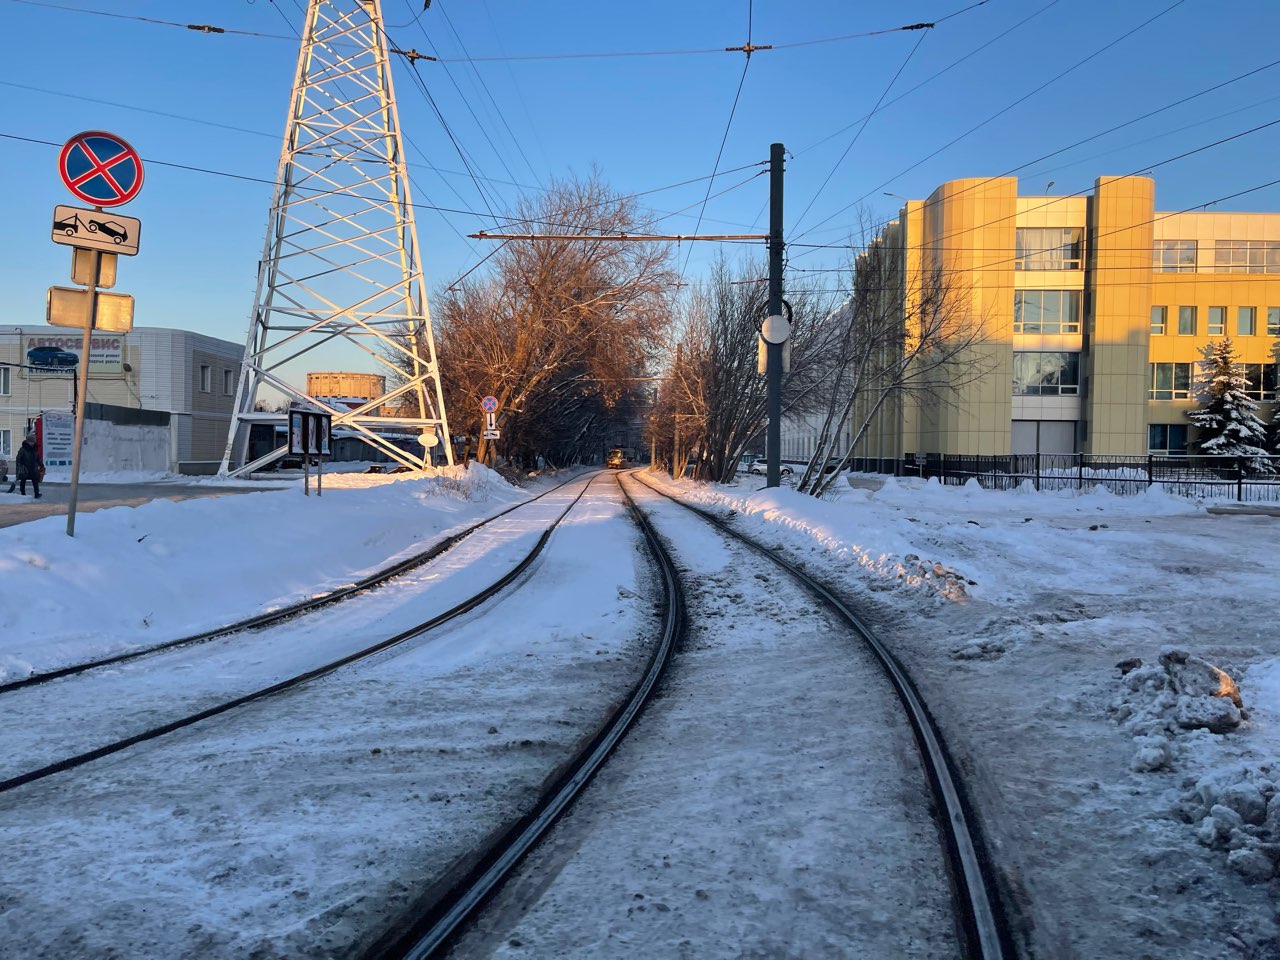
pixel 280 615
pixel 439 920
pixel 458 610
pixel 975 892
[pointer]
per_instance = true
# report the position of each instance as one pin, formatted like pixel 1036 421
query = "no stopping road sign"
pixel 100 168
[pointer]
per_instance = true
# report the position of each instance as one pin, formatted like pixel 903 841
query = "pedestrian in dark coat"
pixel 29 466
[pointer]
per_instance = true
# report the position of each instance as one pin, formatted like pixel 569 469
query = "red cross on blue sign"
pixel 489 404
pixel 100 168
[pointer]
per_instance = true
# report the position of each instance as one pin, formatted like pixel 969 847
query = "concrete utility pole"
pixel 774 341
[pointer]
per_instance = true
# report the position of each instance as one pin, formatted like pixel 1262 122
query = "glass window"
pixel 1246 256
pixel 1170 381
pixel 1273 321
pixel 1246 321
pixel 1159 319
pixel 6 442
pixel 4 381
pixel 1046 311
pixel 1175 256
pixel 1262 380
pixel 228 384
pixel 1217 321
pixel 206 378
pixel 1167 439
pixel 1049 248
pixel 1046 374
pixel 1186 321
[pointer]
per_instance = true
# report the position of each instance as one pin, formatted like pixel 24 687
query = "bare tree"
pixel 714 405
pixel 562 332
pixel 905 332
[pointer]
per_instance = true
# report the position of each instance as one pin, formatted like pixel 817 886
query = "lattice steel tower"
pixel 340 270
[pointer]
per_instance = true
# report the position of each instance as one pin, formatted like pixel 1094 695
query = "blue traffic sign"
pixel 489 404
pixel 100 168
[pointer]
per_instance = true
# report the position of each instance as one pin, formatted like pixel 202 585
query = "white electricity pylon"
pixel 340 271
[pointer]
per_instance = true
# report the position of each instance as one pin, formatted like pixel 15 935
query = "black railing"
pixel 1247 479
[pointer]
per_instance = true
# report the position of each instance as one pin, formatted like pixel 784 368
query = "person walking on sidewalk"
pixel 29 467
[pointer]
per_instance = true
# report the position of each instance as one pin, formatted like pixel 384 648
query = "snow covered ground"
pixel 295 826
pixel 1122 833
pixel 281 832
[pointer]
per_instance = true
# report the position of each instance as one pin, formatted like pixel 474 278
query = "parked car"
pixel 52 357
pixel 761 467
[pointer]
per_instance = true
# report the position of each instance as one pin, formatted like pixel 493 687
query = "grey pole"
pixel 773 351
pixel 82 394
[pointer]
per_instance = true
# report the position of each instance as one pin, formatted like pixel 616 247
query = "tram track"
pixel 979 910
pixel 282 614
pixel 429 926
pixel 468 604
pixel 981 929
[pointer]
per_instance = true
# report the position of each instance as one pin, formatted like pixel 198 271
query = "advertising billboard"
pixel 57 352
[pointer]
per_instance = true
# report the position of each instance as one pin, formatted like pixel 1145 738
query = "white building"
pixel 190 376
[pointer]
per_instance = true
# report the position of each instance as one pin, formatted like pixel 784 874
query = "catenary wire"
pixel 1145 116
pixel 1022 99
pixel 485 87
pixel 953 64
pixel 746 64
pixel 865 121
pixel 1054 200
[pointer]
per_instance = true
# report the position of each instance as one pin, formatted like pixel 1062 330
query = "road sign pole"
pixel 82 398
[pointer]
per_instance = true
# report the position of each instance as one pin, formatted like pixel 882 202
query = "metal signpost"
pixel 311 435
pixel 101 169
pixel 490 407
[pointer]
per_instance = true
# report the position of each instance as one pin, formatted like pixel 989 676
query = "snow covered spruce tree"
pixel 1228 425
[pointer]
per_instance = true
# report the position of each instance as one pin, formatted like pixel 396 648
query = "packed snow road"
pixel 301 825
pixel 768 803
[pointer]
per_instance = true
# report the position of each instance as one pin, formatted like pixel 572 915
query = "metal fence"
pixel 1254 480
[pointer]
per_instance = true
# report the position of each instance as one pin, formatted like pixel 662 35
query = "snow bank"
pixel 137 576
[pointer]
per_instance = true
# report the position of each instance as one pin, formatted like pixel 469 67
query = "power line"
pixel 719 153
pixel 209 28
pixel 1158 218
pixel 953 64
pixel 1130 122
pixel 198 27
pixel 484 86
pixel 865 121
pixel 421 84
pixel 424 206
pixel 1081 192
pixel 1002 111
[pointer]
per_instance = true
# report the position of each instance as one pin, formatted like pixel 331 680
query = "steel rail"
pixel 984 932
pixel 281 614
pixel 433 928
pixel 70 763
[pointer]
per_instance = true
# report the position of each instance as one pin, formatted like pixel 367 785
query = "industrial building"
pixel 1093 313
pixel 187 376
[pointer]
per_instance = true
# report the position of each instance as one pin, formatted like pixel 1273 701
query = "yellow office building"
pixel 1093 311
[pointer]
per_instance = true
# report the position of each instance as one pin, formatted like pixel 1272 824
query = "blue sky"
pixel 219 102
